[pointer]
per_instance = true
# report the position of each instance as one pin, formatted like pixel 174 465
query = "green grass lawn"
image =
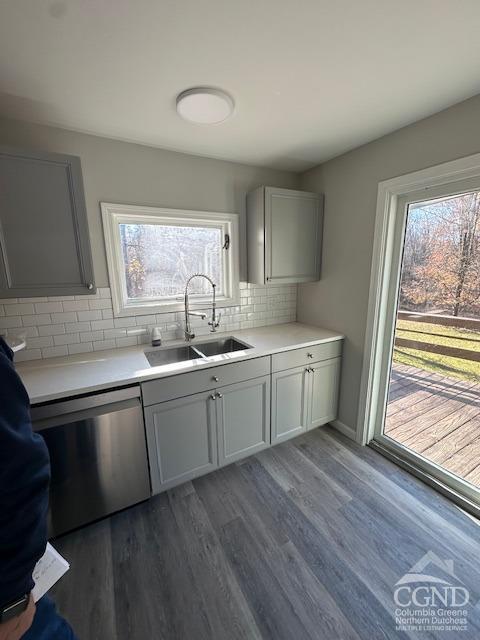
pixel 447 336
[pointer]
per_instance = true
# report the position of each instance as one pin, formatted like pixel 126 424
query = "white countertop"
pixel 56 378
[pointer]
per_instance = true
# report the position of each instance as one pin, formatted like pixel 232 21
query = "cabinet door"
pixel 289 403
pixel 293 229
pixel 323 394
pixel 182 439
pixel 44 241
pixel 243 415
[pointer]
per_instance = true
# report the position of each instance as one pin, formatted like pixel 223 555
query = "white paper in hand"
pixel 48 570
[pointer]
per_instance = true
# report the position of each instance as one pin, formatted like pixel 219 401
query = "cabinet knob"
pixel 212 396
pixel 215 378
pixel 219 395
pixel 309 355
pixel 90 286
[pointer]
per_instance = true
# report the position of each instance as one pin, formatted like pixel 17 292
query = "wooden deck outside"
pixel 438 417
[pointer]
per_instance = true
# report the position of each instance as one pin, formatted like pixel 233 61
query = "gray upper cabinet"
pixel 284 235
pixel 44 241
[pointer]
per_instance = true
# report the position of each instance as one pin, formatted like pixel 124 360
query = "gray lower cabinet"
pixel 304 398
pixel 190 436
pixel 289 403
pixel 324 382
pixel 243 419
pixel 182 439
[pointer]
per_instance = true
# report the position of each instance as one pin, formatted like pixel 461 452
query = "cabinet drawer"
pixel 306 355
pixel 197 381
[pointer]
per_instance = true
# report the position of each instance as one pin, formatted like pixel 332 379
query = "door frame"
pixel 392 198
pixel 389 192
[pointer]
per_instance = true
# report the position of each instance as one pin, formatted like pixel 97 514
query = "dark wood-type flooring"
pixel 304 540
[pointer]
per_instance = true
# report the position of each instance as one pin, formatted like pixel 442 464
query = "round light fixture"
pixel 205 105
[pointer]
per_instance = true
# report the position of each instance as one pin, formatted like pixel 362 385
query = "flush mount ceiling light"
pixel 205 105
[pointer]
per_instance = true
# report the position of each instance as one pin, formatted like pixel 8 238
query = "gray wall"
pixel 340 300
pixel 128 173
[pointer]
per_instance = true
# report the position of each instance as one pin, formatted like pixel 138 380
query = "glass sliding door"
pixel 432 361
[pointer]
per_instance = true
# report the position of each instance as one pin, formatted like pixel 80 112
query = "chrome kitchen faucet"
pixel 215 320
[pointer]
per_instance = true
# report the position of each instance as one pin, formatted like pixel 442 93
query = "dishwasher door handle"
pixel 73 405
pixel 85 414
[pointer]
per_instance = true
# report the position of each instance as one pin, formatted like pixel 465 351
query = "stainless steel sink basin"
pixel 224 345
pixel 171 356
pixel 192 352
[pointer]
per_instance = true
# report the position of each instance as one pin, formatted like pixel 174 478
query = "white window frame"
pixel 115 214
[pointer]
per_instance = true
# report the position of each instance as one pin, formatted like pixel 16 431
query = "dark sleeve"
pixel 24 479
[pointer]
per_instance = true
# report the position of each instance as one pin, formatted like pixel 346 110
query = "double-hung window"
pixel 152 252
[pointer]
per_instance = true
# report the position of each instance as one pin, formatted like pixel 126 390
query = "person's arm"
pixel 24 479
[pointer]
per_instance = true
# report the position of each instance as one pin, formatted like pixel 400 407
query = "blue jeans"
pixel 47 624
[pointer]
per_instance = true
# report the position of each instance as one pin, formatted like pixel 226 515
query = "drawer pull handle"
pixel 215 378
pixel 219 395
pixel 212 396
pixel 309 355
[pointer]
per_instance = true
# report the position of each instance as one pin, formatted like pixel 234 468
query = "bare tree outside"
pixel 441 263
pixel 158 259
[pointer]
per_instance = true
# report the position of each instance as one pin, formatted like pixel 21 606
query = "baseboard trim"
pixel 345 429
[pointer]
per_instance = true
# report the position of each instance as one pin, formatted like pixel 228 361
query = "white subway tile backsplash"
pixel 62 325
pixel 19 309
pixel 74 327
pixel 83 347
pixel 48 307
pixel 90 336
pixel 142 321
pixel 101 324
pixel 33 300
pixel 114 333
pixel 28 354
pixel 40 343
pixel 51 329
pixel 104 344
pixel 27 332
pixel 124 322
pixel 76 305
pixel 9 322
pixel 90 315
pixel 54 352
pixel 125 342
pixel 67 316
pixel 67 338
pixel 101 303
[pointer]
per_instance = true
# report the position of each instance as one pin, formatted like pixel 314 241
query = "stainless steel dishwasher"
pixel 98 456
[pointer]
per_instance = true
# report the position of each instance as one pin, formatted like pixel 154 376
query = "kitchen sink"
pixel 171 356
pixel 225 345
pixel 187 352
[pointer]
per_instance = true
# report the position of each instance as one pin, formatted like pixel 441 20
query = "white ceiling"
pixel 311 78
